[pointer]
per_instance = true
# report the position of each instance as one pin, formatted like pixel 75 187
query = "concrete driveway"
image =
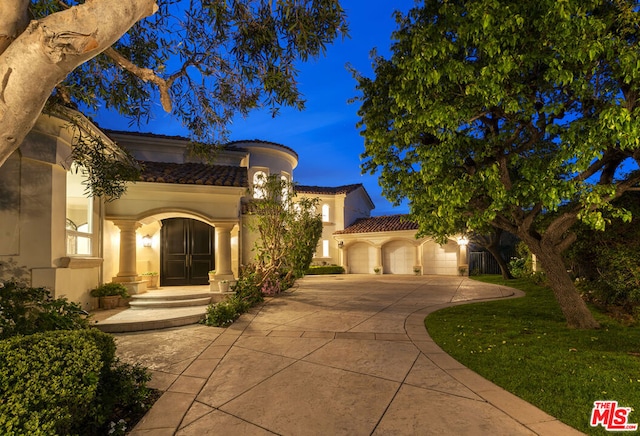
pixel 338 355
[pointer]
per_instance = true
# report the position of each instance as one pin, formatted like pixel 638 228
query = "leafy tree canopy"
pixel 203 60
pixel 497 112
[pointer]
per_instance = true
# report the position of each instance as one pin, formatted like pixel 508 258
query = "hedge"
pixel 48 381
pixel 327 269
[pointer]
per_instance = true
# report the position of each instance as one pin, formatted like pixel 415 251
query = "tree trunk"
pixel 48 50
pixel 504 268
pixel 573 306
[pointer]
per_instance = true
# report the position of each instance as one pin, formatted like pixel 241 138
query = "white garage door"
pixel 441 260
pixel 398 257
pixel 361 258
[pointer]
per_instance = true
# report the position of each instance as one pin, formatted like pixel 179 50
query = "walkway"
pixel 340 355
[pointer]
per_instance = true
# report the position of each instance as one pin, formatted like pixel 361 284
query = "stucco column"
pixel 127 265
pixel 463 261
pixel 223 251
pixel 379 259
pixel 418 264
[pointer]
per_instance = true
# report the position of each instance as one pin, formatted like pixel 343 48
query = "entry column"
pixel 223 251
pixel 127 273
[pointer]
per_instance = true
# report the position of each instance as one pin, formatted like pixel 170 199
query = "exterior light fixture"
pixel 463 241
pixel 340 244
pixel 146 240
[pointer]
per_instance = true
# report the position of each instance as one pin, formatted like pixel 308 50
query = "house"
pixel 182 219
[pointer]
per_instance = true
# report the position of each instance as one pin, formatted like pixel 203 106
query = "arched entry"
pixel 187 253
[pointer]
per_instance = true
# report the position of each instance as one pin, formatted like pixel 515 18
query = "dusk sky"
pixel 324 135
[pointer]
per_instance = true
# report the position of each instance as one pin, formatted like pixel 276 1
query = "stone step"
pixel 138 320
pixel 170 295
pixel 162 308
pixel 159 303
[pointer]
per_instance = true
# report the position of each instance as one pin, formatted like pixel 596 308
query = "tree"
pixel 204 60
pixel 500 113
pixel 289 229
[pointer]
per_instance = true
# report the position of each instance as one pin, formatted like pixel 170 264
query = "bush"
pixel 328 269
pixel 247 288
pixel 248 293
pixel 606 263
pixel 25 310
pixel 48 381
pixel 66 382
pixel 110 289
pixel 224 313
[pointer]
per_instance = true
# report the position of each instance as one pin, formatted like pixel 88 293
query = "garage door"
pixel 398 257
pixel 361 258
pixel 441 260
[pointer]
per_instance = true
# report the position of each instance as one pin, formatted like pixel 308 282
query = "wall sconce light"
pixel 463 241
pixel 146 241
pixel 341 244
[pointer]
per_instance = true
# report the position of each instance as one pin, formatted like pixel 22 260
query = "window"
pixel 285 189
pixel 259 180
pixel 79 225
pixel 325 248
pixel 325 213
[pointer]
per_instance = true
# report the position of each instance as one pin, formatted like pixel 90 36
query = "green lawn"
pixel 524 346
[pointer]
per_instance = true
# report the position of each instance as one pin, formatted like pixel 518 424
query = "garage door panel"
pixel 399 257
pixel 360 258
pixel 440 260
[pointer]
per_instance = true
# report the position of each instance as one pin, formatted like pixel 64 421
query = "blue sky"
pixel 324 135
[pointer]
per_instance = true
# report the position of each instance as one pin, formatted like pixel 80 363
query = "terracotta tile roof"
pixel 194 174
pixel 229 146
pixel 390 223
pixel 238 144
pixel 323 190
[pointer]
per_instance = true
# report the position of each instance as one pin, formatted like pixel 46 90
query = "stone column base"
pixel 133 286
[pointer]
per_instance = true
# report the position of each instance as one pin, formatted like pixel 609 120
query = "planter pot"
pixel 109 302
pixel 153 282
pixel 223 287
pixel 212 277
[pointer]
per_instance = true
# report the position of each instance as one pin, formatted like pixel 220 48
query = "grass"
pixel 524 346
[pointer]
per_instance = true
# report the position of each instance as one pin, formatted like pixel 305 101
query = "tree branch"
pixel 14 18
pixel 48 50
pixel 145 74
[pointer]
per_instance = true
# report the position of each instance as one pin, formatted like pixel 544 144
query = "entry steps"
pixel 158 309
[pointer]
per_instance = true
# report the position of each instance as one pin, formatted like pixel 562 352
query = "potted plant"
pixel 376 270
pixel 152 278
pixel 212 275
pixel 417 270
pixel 110 294
pixel 223 285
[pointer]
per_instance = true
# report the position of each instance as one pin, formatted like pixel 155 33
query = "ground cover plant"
pixel 524 346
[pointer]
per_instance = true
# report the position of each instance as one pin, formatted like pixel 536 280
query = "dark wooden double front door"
pixel 187 253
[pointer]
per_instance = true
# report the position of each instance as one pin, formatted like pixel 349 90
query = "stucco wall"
pixel 36 212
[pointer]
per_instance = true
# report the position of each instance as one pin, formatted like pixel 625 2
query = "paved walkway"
pixel 340 355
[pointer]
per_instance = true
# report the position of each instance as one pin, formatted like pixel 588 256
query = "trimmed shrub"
pixel 68 383
pixel 48 381
pixel 328 269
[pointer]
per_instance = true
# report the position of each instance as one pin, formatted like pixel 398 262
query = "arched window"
pixel 259 180
pixel 325 213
